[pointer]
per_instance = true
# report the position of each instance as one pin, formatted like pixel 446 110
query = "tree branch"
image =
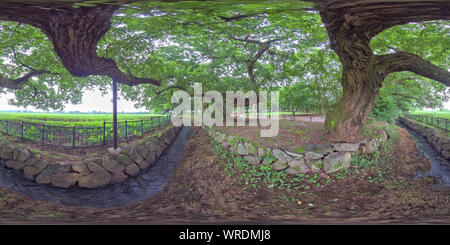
pixel 17 84
pixel 403 61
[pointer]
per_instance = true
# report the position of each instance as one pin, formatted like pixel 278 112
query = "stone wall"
pixel 436 137
pixel 91 174
pixel 316 157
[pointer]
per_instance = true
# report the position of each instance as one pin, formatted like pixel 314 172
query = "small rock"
pixel 313 155
pixel 132 169
pixel 296 162
pixel 242 150
pixel 446 155
pixel 252 159
pixel 261 152
pixel 345 147
pixel 319 148
pixel 21 155
pixel 336 161
pixel 64 180
pixel 281 155
pixel 124 159
pixel 293 154
pixel 362 149
pixel 280 165
pixel 80 168
pixel 113 151
pixel 58 168
pixel 95 180
pixel 31 161
pixel 93 167
pixel 112 165
pixel 251 149
pixel 7 152
pixel 315 165
pixel 167 137
pixel 40 164
pixel 15 164
pixel 118 177
pixel 143 165
pixel 43 178
pixel 135 156
pixel 30 171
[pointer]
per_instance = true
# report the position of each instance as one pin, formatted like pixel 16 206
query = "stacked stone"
pixel 327 157
pixel 434 136
pixel 90 174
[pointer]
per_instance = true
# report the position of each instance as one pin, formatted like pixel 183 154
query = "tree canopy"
pixel 342 54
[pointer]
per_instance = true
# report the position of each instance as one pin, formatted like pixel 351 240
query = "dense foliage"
pixel 234 45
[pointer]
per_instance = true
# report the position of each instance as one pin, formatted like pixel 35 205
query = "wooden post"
pixel 114 114
pixel 142 127
pixel 22 130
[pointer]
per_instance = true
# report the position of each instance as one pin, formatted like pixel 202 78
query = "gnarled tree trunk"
pixel 350 26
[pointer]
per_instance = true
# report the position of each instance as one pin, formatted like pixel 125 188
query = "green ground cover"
pixel 70 120
pixel 442 114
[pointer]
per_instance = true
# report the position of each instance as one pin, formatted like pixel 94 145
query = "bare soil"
pixel 291 134
pixel 200 192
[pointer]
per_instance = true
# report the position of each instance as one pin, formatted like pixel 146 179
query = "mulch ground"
pixel 200 192
pixel 291 134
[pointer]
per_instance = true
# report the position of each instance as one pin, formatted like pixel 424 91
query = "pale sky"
pixel 92 100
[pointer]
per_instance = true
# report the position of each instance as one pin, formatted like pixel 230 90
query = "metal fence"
pixel 79 136
pixel 435 121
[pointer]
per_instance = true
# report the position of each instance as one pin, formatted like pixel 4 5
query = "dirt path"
pixel 200 192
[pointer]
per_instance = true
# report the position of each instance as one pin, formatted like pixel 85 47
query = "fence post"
pixel 43 134
pixel 126 130
pixel 104 133
pixel 142 127
pixel 151 122
pixel 437 121
pixel 22 130
pixel 6 127
pixel 73 136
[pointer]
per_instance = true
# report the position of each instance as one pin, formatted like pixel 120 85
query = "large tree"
pixel 351 25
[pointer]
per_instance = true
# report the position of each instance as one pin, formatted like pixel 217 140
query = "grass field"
pixel 442 114
pixel 69 120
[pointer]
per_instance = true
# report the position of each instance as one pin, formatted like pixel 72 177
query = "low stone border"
pixel 434 136
pixel 110 169
pixel 327 157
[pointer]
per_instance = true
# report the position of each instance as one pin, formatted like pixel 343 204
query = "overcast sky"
pixel 93 100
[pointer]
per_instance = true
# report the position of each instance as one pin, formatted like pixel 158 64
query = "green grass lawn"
pixel 69 120
pixel 442 114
